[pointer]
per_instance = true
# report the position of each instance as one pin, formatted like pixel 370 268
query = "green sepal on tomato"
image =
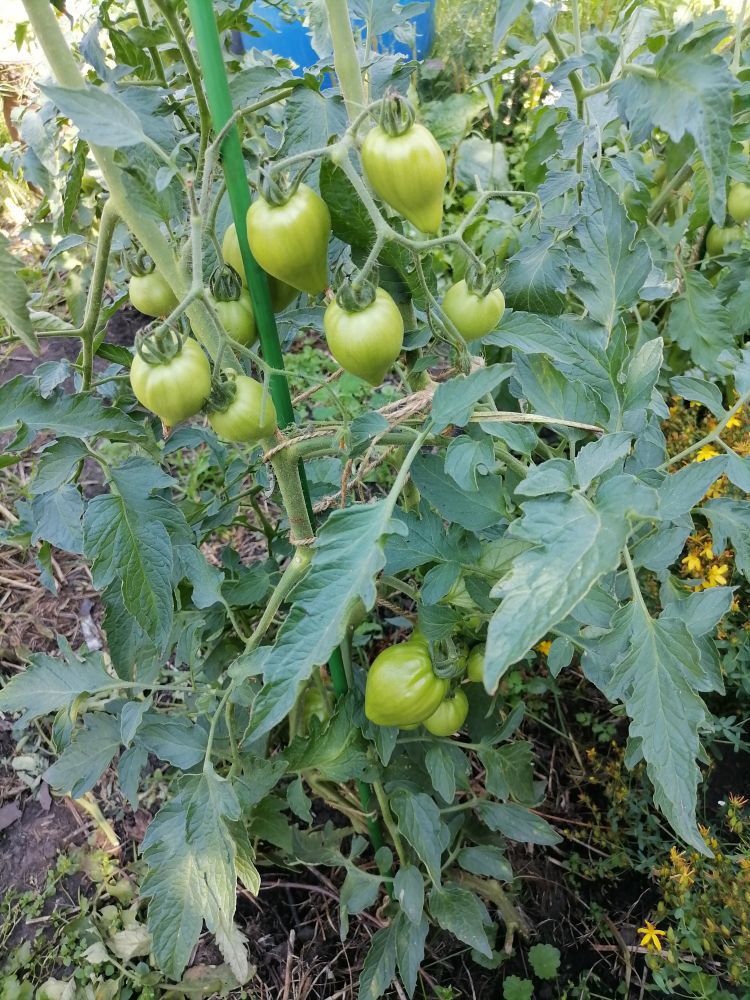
pixel 245 413
pixel 290 239
pixel 402 688
pixel 449 716
pixel 281 293
pixel 365 341
pixel 232 304
pixel 405 166
pixel 170 376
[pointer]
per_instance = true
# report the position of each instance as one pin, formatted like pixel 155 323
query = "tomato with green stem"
pixel 232 304
pixel 405 166
pixel 151 294
pixel 449 716
pixel 288 232
pixel 402 688
pixel 364 331
pixel 170 375
pixel 241 410
pixel 473 313
pixel 281 293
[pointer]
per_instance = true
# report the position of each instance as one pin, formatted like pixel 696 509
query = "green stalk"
pixel 345 58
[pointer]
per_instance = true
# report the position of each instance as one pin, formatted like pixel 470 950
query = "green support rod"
pixel 220 104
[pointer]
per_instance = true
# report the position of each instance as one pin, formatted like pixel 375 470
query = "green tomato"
pixel 176 389
pixel 290 241
pixel 474 316
pixel 738 202
pixel 313 706
pixel 408 172
pixel 281 293
pixel 475 665
pixel 449 716
pixel 151 295
pixel 236 316
pixel 365 343
pixel 251 415
pixel 719 236
pixel 402 688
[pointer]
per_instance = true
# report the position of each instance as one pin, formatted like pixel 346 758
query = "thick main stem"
pixel 345 58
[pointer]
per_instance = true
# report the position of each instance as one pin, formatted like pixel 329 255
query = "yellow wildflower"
pixel 706 452
pixel 693 564
pixel 544 647
pixel 708 552
pixel 651 936
pixel 718 576
pixel 734 421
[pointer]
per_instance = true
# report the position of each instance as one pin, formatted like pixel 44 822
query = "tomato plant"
pixel 504 483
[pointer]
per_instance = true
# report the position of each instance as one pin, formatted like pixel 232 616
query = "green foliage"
pixel 522 494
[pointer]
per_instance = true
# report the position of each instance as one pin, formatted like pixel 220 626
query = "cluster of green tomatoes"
pixel 289 229
pixel 405 690
pixel 738 207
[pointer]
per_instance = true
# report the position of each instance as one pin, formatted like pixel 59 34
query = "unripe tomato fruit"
pixel 475 665
pixel 738 202
pixel 719 236
pixel 175 389
pixel 449 716
pixel 474 316
pixel 365 343
pixel 402 688
pixel 281 293
pixel 408 172
pixel 236 316
pixel 151 295
pixel 290 241
pixel 251 415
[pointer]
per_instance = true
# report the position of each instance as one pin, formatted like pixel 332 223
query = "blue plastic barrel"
pixel 289 39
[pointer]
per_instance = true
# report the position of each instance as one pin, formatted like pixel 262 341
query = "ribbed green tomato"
pixel 475 666
pixel 738 202
pixel 251 416
pixel 408 172
pixel 281 293
pixel 474 316
pixel 402 688
pixel 365 343
pixel 175 389
pixel 236 316
pixel 151 295
pixel 719 236
pixel 449 716
pixel 290 241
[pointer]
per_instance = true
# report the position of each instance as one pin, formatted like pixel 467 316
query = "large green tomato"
pixel 738 202
pixel 408 172
pixel 176 389
pixel 475 666
pixel 281 293
pixel 719 236
pixel 251 415
pixel 290 241
pixel 402 688
pixel 151 295
pixel 474 316
pixel 449 716
pixel 365 343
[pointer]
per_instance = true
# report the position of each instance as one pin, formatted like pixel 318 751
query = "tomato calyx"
pixel 354 294
pixel 481 281
pixel 137 262
pixel 225 283
pixel 397 115
pixel 158 343
pixel 277 189
pixel 223 392
pixel 448 659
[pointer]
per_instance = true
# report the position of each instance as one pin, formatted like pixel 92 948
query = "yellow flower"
pixel 544 647
pixel 708 552
pixel 651 937
pixel 718 576
pixel 706 452
pixel 693 564
pixel 735 420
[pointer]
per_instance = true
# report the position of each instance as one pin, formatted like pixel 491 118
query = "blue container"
pixel 291 40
